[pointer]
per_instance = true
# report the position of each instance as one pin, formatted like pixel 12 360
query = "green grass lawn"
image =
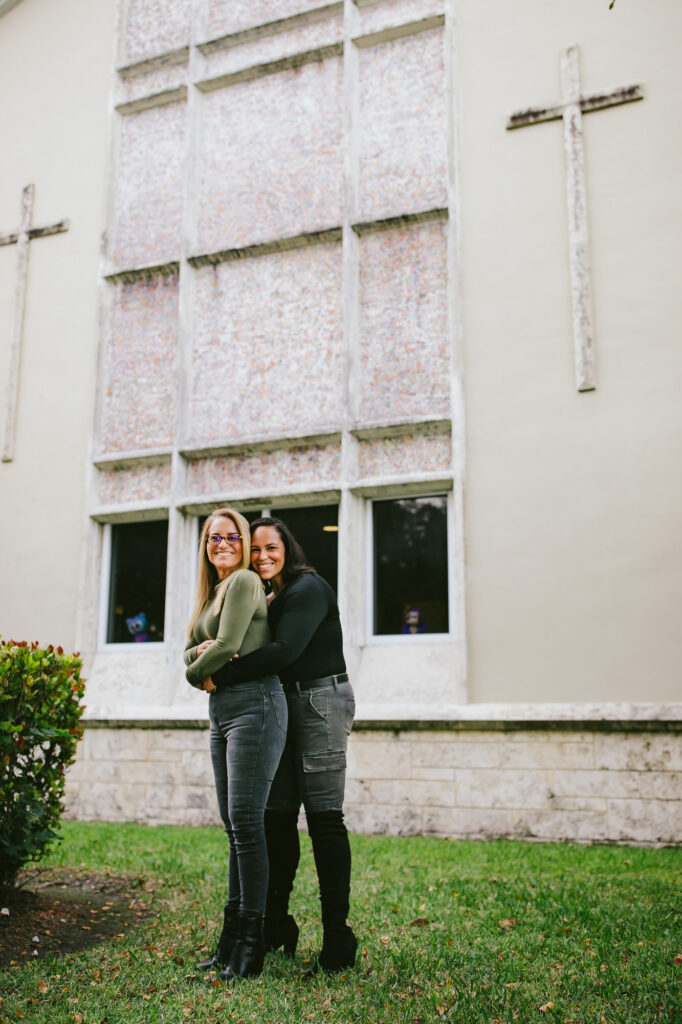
pixel 477 932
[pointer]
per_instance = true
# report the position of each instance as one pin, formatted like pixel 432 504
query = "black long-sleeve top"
pixel 307 641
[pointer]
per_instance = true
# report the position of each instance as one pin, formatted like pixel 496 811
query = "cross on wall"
pixel 21 238
pixel 571 109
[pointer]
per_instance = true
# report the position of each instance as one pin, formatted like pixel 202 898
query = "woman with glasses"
pixel 307 653
pixel 247 728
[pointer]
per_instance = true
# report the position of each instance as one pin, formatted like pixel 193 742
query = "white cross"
pixel 21 239
pixel 571 109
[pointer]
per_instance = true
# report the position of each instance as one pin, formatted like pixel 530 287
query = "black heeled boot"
pixel 280 931
pixel 339 947
pixel 226 942
pixel 281 834
pixel 246 959
pixel 331 850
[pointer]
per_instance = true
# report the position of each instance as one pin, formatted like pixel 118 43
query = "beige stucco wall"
pixel 55 65
pixel 574 551
pixel 572 501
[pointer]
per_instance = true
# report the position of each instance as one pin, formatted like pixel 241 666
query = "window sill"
pixel 419 638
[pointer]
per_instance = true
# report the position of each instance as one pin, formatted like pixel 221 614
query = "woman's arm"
pixel 304 609
pixel 242 598
pixel 190 652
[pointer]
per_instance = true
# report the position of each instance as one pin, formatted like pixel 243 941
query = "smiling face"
pixel 226 555
pixel 268 554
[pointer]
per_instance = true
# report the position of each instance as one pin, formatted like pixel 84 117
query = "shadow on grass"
pixel 65 910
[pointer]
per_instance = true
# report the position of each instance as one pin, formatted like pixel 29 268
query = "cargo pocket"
pixel 326 761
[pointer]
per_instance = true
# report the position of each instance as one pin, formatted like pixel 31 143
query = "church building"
pixel 406 274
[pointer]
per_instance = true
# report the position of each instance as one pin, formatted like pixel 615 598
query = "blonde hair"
pixel 207 576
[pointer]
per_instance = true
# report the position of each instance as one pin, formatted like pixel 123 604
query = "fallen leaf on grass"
pixel 419 922
pixel 546 1006
pixel 42 987
pixel 677 961
pixel 507 922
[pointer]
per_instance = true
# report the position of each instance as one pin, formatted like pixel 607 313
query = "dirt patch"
pixel 64 911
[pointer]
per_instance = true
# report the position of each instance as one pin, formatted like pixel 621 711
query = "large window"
pixel 137 591
pixel 410 544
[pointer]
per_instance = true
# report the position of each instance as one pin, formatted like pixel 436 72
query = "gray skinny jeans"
pixel 247 734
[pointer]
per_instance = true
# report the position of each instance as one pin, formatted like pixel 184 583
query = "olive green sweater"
pixel 240 626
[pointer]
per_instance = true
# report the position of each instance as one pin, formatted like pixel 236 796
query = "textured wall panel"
pixel 155 26
pixel 416 453
pixel 227 16
pixel 272 157
pixel 258 472
pixel 134 86
pixel 402 126
pixel 404 358
pixel 269 48
pixel 148 216
pixel 140 386
pixel 268 346
pixel 397 12
pixel 134 483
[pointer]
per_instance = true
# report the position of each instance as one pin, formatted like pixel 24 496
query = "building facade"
pixel 370 266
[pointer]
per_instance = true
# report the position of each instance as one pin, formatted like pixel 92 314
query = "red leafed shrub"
pixel 40 710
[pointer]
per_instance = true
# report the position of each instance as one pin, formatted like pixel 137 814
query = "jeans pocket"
pixel 279 706
pixel 350 714
pixel 317 701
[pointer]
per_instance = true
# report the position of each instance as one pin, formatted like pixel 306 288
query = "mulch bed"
pixel 59 912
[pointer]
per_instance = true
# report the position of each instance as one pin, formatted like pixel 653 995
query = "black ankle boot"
pixel 228 938
pixel 246 960
pixel 339 947
pixel 280 931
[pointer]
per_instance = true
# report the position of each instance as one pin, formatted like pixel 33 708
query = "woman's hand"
pixel 203 646
pixel 208 685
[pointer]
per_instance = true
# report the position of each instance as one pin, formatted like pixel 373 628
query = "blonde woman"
pixel 248 724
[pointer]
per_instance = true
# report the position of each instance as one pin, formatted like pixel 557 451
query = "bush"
pixel 40 710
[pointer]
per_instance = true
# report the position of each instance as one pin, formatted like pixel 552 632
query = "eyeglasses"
pixel 215 539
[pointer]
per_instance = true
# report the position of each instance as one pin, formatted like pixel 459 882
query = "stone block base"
pixel 601 783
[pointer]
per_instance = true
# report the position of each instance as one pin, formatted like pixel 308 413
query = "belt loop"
pixel 297 687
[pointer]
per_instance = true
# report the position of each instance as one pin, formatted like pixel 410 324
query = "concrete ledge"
pixel 464 718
